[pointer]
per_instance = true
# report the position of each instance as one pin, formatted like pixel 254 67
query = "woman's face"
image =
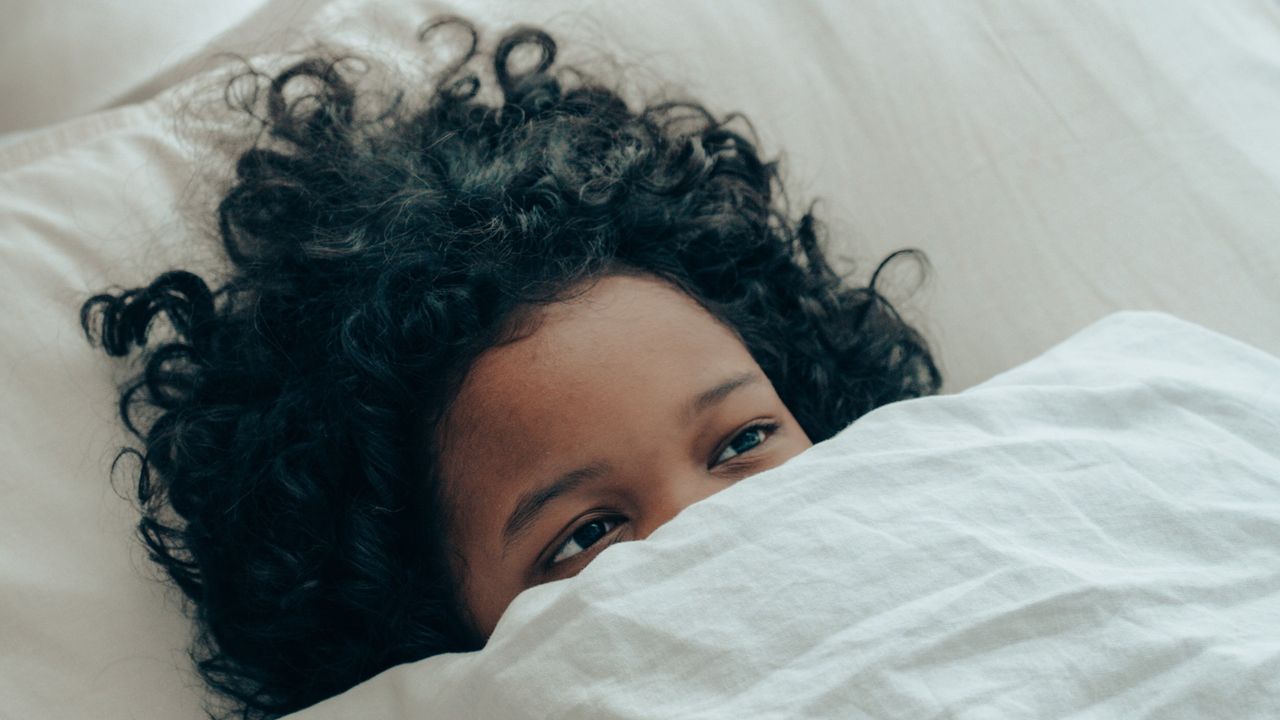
pixel 624 405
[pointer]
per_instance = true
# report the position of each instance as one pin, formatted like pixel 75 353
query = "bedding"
pixel 64 58
pixel 1093 534
pixel 1057 161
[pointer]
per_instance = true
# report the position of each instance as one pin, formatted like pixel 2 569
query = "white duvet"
pixel 1093 534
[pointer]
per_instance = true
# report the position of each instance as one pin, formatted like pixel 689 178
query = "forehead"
pixel 616 359
pixel 622 334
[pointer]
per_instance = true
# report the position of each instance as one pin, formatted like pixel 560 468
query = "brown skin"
pixel 606 381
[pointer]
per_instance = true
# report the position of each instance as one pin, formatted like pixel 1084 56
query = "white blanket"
pixel 1093 534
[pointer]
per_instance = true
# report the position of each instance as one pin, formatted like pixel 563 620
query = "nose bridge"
pixel 674 493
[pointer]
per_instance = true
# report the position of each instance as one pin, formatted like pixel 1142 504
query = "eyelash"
pixel 768 428
pixel 616 519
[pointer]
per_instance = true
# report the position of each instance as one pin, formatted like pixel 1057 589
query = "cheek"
pixel 798 442
pixel 791 445
pixel 486 582
pixel 475 565
pixel 795 443
pixel 485 602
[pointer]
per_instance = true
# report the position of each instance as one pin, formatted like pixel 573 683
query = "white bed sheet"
pixel 1093 534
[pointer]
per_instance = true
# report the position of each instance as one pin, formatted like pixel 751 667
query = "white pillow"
pixel 82 632
pixel 1093 534
pixel 64 58
pixel 1057 161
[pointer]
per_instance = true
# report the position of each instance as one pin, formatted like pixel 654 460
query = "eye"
pixel 745 441
pixel 587 534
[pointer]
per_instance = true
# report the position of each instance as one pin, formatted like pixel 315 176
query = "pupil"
pixel 588 534
pixel 747 441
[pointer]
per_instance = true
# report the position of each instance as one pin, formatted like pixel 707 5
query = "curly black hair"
pixel 284 483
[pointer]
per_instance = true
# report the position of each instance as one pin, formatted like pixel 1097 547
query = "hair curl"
pixel 284 484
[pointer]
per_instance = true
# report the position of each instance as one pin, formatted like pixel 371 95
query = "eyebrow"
pixel 532 503
pixel 717 394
